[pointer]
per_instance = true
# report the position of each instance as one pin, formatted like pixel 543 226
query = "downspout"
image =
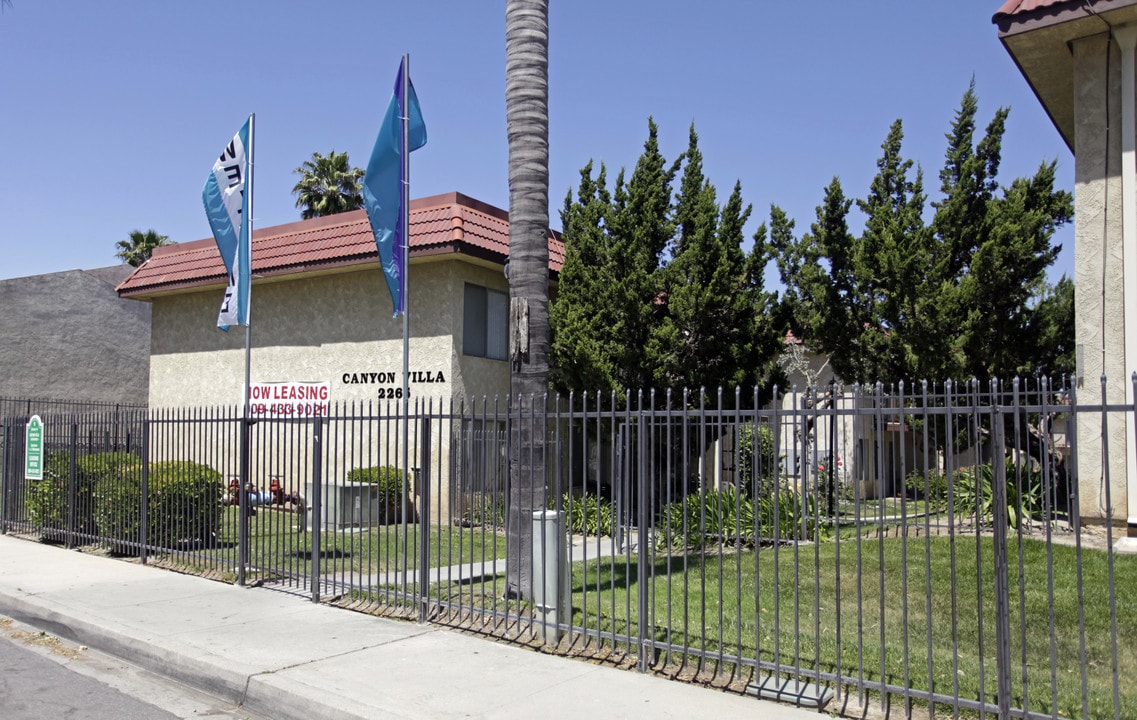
pixel 1126 36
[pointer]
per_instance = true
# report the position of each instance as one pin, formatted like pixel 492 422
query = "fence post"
pixel 144 499
pixel 643 523
pixel 243 504
pixel 424 481
pixel 7 475
pixel 316 509
pixel 72 491
pixel 1002 587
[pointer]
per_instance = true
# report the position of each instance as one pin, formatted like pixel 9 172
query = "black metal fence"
pixel 924 551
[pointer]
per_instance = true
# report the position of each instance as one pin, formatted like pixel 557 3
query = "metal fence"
pixel 848 547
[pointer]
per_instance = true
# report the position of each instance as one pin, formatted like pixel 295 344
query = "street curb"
pixel 216 680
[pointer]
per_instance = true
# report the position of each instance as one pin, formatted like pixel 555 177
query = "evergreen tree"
pixel 796 261
pixel 1007 272
pixel 825 303
pixel 643 223
pixel 584 324
pixel 1052 329
pixel 990 253
pixel 607 293
pixel 962 297
pixel 891 261
pixel 766 333
pixel 679 341
pixel 624 319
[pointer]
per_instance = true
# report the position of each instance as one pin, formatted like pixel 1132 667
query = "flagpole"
pixel 404 119
pixel 249 224
pixel 246 423
pixel 405 212
pixel 404 218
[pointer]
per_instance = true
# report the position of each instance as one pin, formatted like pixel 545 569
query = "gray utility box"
pixel 359 505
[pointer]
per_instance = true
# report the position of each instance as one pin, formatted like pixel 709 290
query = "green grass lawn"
pixel 747 604
pixel 278 546
pixel 830 615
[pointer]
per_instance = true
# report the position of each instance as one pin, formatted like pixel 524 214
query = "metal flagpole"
pixel 405 219
pixel 249 249
pixel 242 494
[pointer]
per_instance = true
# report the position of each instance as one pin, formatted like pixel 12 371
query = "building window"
pixel 486 314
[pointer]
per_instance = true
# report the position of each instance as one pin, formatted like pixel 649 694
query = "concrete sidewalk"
pixel 286 658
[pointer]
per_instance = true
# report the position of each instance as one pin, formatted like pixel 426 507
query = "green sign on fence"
pixel 33 449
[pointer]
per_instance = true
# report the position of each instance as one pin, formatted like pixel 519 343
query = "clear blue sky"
pixel 113 112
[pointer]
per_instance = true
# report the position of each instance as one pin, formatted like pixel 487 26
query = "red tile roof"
pixel 1016 7
pixel 440 224
pixel 1016 16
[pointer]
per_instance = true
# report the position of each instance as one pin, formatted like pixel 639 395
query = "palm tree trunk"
pixel 527 119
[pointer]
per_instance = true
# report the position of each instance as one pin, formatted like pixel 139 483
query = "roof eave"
pixel 1040 41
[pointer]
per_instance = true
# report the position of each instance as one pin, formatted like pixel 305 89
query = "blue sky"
pixel 113 112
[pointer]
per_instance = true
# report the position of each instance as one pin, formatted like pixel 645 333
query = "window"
pixel 486 315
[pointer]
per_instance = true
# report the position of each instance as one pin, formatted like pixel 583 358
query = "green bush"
pixel 483 509
pixel 118 505
pixel 587 514
pixel 973 491
pixel 390 492
pixel 930 486
pixel 47 498
pixel 183 504
pixel 757 457
pixel 730 516
pixel 388 479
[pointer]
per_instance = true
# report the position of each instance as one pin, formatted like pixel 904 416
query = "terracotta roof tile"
pixel 1017 7
pixel 1016 16
pixel 439 224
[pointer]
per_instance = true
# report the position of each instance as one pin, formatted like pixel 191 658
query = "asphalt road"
pixel 43 678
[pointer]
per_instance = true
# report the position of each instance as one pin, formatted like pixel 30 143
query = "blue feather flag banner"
pixel 383 185
pixel 227 206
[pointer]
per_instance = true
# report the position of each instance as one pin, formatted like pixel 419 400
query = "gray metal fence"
pixel 849 547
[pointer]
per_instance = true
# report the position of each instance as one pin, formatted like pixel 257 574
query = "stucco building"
pixel 320 310
pixel 320 313
pixel 1079 58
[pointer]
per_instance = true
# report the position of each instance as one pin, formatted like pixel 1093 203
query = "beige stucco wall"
pixel 316 329
pixel 334 328
pixel 1099 272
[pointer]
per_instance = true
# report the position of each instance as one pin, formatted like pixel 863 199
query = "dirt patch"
pixel 38 638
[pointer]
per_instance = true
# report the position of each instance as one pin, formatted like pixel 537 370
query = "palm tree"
pixel 527 120
pixel 328 185
pixel 137 249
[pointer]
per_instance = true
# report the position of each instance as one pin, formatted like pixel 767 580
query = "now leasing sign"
pixel 33 449
pixel 289 400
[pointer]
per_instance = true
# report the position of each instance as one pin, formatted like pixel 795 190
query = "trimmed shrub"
pixel 47 498
pixel 388 479
pixel 183 504
pixel 389 488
